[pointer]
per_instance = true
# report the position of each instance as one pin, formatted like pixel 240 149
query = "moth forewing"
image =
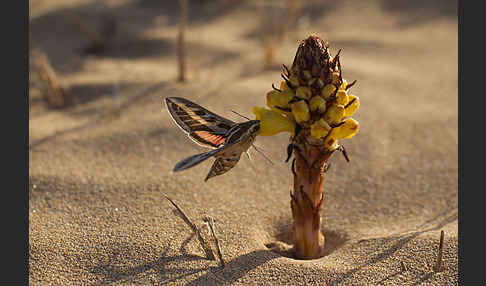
pixel 191 117
pixel 201 125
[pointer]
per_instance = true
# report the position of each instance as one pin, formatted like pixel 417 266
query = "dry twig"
pixel 210 222
pixel 207 249
pixel 403 267
pixel 181 40
pixel 438 265
pixel 53 93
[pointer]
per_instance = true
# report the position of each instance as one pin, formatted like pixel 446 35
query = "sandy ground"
pixel 99 168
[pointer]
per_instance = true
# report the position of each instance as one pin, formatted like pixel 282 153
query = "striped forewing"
pixel 202 126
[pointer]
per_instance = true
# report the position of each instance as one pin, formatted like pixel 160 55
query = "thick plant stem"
pixel 307 199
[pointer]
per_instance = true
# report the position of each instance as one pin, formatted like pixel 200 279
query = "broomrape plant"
pixel 315 105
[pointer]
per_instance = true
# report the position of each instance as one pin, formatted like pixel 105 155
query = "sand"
pixel 99 169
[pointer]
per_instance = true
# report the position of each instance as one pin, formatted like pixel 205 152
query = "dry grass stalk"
pixel 207 249
pixel 53 92
pixel 403 267
pixel 438 265
pixel 269 51
pixel 210 222
pixel 181 56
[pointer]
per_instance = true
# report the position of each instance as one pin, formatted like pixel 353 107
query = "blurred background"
pixel 99 48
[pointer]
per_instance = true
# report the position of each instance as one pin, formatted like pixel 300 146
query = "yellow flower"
pixel 320 128
pixel 303 92
pixel 284 86
pixel 334 114
pixel 327 91
pixel 351 108
pixel 335 78
pixel 307 75
pixel 344 84
pixel 280 99
pixel 346 130
pixel 342 97
pixel 300 110
pixel 294 81
pixel 317 103
pixel 272 122
pixel 331 143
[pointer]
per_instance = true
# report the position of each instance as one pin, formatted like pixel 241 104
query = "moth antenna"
pixel 258 146
pixel 240 114
pixel 263 154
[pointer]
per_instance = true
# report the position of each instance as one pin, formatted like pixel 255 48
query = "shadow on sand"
pixel 215 275
pixel 102 116
pixel 397 242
